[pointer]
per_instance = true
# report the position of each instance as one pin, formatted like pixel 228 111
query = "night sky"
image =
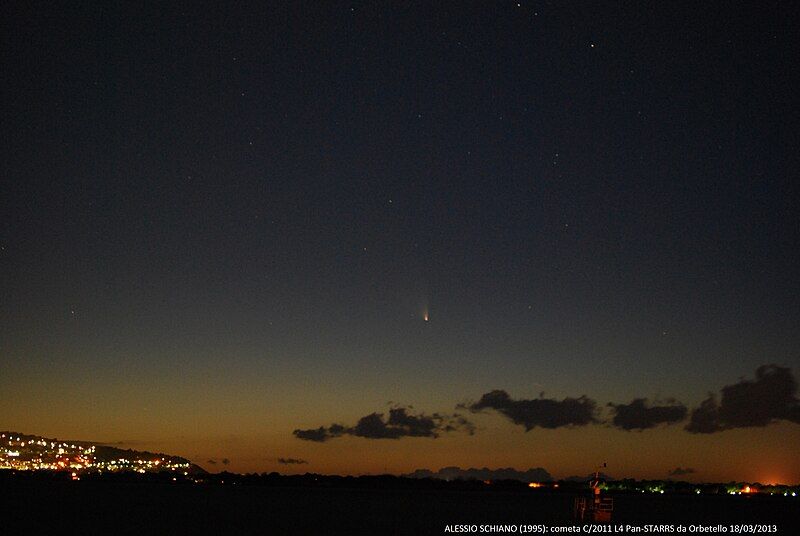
pixel 377 237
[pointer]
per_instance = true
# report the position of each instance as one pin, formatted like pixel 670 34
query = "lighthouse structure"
pixel 596 507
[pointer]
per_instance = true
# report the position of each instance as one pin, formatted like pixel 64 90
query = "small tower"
pixel 595 508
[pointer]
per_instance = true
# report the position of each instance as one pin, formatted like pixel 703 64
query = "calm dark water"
pixel 48 507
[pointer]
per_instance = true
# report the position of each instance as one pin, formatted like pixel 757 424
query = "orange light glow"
pixel 534 485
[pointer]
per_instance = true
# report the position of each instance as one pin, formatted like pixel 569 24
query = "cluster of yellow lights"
pixel 37 454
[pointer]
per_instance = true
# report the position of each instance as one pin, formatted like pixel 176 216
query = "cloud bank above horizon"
pixel 770 397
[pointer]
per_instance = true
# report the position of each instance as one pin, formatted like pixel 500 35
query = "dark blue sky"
pixel 590 198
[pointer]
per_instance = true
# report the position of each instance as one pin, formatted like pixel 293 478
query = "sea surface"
pixel 51 507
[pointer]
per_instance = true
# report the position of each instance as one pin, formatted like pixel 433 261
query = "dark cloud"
pixel 452 473
pixel 705 419
pixel 543 412
pixel 373 427
pixel 225 461
pixel 400 423
pixel 291 461
pixel 639 415
pixel 680 471
pixel 315 434
pixel 460 423
pixel 772 396
pixel 212 462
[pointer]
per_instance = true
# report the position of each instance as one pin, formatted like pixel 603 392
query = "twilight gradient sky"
pixel 221 224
